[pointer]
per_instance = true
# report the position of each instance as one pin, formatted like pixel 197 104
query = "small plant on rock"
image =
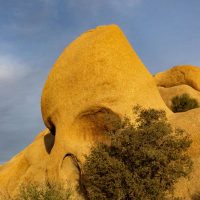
pixel 53 191
pixel 183 103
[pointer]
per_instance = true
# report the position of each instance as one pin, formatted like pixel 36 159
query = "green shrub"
pixel 43 192
pixel 142 162
pixel 183 103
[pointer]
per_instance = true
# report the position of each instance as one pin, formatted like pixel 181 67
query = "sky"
pixel 164 33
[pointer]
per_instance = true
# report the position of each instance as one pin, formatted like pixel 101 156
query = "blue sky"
pixel 164 33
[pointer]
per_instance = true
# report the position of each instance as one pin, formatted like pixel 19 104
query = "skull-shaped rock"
pixel 97 79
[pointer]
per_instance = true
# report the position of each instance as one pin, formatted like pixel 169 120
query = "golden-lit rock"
pixel 168 93
pixel 190 122
pixel 27 166
pixel 97 79
pixel 98 75
pixel 179 75
pixel 175 82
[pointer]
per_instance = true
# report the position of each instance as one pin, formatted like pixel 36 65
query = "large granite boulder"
pixel 175 82
pixel 179 75
pixel 97 79
pixel 97 76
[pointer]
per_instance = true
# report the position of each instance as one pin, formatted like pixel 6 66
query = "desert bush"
pixel 53 191
pixel 141 162
pixel 183 103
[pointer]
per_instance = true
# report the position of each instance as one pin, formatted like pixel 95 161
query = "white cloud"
pixel 12 68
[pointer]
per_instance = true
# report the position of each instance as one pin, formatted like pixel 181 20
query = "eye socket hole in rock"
pixel 101 119
pixel 51 126
pixel 49 140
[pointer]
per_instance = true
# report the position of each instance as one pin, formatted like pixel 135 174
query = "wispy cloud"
pixel 20 90
pixel 11 68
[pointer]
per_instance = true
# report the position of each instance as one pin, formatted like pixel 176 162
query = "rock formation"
pixel 27 166
pixel 189 121
pixel 179 75
pixel 174 82
pixel 98 75
pixel 97 78
pixel 168 93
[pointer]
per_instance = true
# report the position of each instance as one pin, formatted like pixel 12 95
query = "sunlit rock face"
pixel 27 166
pixel 179 75
pixel 175 82
pixel 98 74
pixel 97 79
pixel 189 121
pixel 168 93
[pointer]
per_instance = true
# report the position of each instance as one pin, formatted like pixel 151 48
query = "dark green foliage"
pixel 183 103
pixel 43 192
pixel 140 163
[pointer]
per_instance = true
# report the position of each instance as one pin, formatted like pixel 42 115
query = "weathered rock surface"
pixel 189 121
pixel 174 82
pixel 168 93
pixel 179 75
pixel 29 165
pixel 99 73
pixel 97 79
